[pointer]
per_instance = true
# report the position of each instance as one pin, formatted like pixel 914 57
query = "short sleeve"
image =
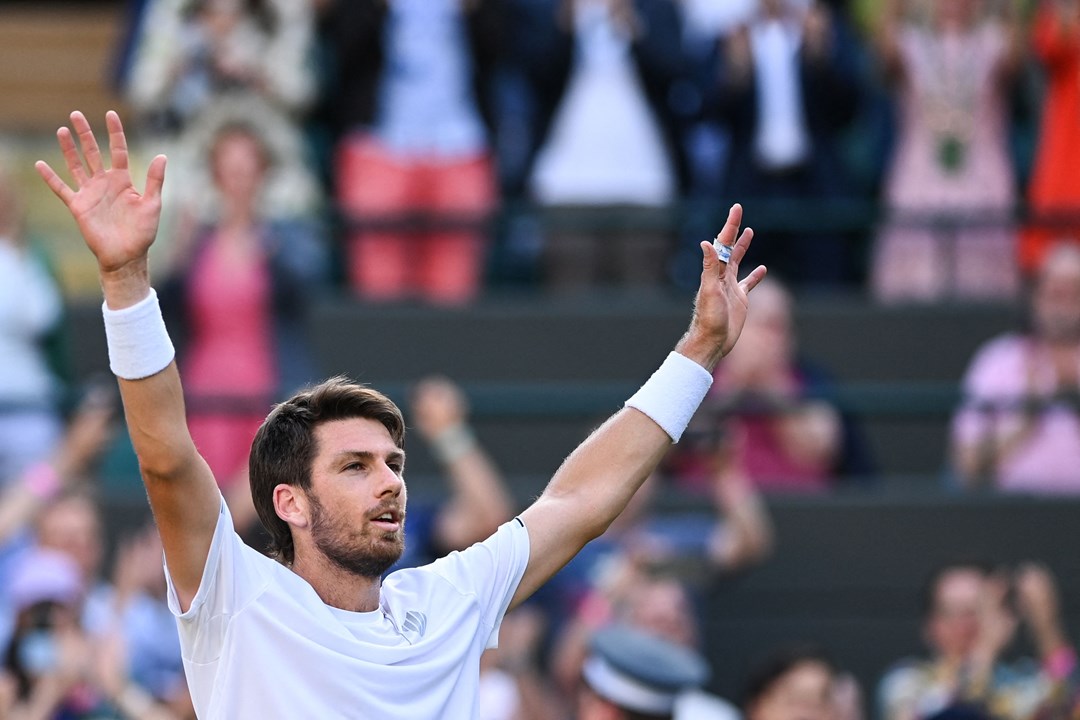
pixel 490 571
pixel 233 576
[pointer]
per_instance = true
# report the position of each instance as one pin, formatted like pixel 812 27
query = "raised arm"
pixel 597 481
pixel 119 225
pixel 479 502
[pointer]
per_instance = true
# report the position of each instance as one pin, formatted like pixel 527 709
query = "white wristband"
pixel 139 345
pixel 673 393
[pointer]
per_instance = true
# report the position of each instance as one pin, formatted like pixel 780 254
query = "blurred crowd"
pixel 918 149
pixel 425 150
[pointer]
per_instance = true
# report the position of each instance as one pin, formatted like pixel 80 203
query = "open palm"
pixel 721 303
pixel 118 223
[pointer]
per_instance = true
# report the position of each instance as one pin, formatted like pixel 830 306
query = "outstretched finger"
pixel 731 226
pixel 58 186
pixel 739 251
pixel 751 281
pixel 89 143
pixel 155 177
pixel 71 156
pixel 118 151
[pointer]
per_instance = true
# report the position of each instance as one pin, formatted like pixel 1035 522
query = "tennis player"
pixel 317 632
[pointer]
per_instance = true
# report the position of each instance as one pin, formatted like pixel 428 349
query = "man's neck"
pixel 336 586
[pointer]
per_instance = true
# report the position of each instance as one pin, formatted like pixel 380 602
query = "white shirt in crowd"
pixel 605 145
pixel 258 642
pixel 780 140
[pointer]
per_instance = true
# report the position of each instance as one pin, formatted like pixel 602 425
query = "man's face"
pixel 1056 303
pixel 71 526
pixel 803 693
pixel 357 496
pixel 953 626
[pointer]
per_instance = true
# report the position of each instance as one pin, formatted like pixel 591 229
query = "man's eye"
pixel 353 466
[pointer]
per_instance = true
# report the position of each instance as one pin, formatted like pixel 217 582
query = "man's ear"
pixel 291 505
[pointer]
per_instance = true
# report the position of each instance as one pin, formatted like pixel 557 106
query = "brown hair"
pixel 285 446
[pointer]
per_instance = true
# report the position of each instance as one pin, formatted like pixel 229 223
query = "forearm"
pixel 154 405
pixel 479 501
pixel 748 533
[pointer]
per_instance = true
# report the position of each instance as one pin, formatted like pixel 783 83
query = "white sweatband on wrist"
pixel 672 395
pixel 139 345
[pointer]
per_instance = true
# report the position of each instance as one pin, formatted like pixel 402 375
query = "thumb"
pixel 709 261
pixel 155 177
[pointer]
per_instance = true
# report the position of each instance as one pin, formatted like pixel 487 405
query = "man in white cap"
pixel 632 675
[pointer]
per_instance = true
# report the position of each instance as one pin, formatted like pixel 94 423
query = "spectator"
pixel 192 52
pixel 631 675
pixel 131 614
pixel 614 159
pixel 30 309
pixel 413 90
pixel 1053 190
pixel 798 683
pixel 951 187
pixel 1017 428
pixel 787 86
pixel 237 299
pixel 967 624
pixel 39 485
pixel 197 64
pixel 623 580
pixel 769 417
pixel 49 656
pixel 478 502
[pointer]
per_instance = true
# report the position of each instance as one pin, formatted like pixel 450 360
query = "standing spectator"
pixel 787 86
pixel 237 299
pixel 1018 427
pixel 197 64
pixel 30 308
pixel 769 416
pixel 951 166
pixel 614 159
pixel 1054 190
pixel 967 625
pixel 192 52
pixel 412 110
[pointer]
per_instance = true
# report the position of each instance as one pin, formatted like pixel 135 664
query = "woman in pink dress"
pixel 240 293
pixel 951 161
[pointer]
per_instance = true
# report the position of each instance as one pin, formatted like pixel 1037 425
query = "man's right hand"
pixel 118 223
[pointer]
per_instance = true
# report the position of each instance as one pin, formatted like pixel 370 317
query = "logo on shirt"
pixel 415 624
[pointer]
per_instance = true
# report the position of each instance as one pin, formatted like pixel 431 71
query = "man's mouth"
pixel 387 521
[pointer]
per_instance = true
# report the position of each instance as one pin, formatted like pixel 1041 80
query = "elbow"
pixel 158 467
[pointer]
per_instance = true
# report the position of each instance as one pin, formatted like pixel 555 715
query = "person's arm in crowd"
pixel 597 480
pixel 997 626
pixel 479 502
pixel 1040 609
pixel 977 463
pixel 892 17
pixel 83 441
pixel 744 536
pixel 119 225
pixel 1012 58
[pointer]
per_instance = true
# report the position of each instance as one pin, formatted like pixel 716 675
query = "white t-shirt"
pixel 258 642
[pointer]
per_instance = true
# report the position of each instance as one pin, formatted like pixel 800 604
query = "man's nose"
pixel 390 482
